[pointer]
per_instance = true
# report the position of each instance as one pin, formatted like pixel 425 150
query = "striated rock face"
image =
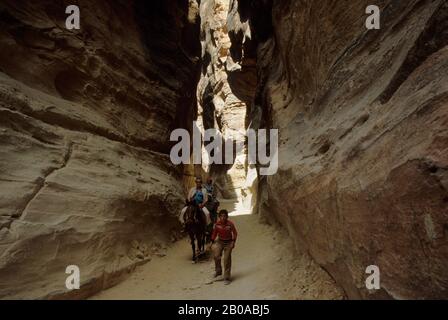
pixel 85 177
pixel 362 117
pixel 85 119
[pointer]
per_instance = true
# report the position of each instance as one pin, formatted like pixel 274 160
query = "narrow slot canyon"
pixel 86 170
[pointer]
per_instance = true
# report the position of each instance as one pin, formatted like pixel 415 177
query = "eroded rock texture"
pixel 225 91
pixel 85 178
pixel 362 117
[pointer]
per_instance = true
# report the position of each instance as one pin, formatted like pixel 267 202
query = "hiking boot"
pixel 218 277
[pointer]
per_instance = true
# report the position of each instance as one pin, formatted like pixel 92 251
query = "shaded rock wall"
pixel 362 117
pixel 85 175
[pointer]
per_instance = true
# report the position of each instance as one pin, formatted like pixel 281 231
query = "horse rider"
pixel 211 204
pixel 199 197
pixel 210 189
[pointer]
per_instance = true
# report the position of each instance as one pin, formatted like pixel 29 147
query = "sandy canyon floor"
pixel 265 265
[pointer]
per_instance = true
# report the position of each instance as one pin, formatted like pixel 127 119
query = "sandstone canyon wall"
pixel 225 92
pixel 363 122
pixel 86 115
pixel 85 176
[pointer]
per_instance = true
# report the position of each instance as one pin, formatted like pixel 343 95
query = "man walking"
pixel 223 237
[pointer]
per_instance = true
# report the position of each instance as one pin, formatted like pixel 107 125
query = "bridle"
pixel 192 214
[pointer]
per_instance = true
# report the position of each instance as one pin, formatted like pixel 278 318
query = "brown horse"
pixel 195 224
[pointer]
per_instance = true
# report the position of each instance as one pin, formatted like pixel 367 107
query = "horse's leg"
pixel 206 234
pixel 193 247
pixel 210 231
pixel 202 240
pixel 198 240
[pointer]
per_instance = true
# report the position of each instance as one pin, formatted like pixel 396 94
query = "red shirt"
pixel 225 231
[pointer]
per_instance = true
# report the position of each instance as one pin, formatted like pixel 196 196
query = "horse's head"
pixel 191 214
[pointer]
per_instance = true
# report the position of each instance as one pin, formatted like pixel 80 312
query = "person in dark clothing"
pixel 212 203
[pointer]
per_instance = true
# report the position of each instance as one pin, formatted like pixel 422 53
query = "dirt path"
pixel 264 267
